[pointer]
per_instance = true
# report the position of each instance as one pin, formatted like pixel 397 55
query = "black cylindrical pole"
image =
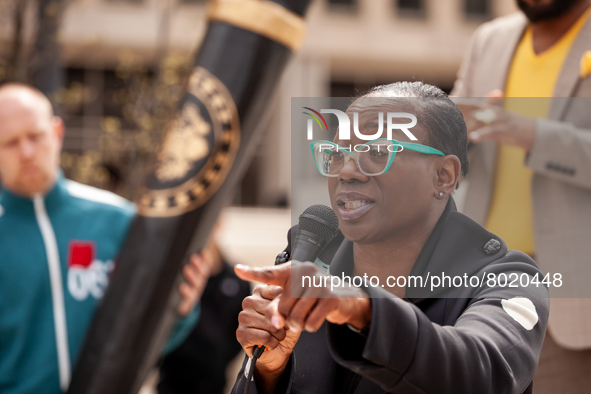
pixel 205 152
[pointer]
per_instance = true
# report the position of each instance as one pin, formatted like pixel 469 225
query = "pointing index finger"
pixel 278 275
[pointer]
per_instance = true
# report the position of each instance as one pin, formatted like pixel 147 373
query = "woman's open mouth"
pixel 352 207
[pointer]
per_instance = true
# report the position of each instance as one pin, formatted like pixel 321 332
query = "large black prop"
pixel 204 154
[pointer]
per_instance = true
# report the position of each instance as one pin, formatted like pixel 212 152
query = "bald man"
pixel 58 243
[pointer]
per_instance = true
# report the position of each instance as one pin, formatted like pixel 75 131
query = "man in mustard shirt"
pixel 530 162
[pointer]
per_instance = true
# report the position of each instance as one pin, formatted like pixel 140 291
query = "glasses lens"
pixel 329 158
pixel 375 156
pixel 372 158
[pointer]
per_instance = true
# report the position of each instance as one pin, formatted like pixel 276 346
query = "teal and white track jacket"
pixel 56 254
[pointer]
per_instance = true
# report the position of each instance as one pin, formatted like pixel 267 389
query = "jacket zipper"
pixel 57 291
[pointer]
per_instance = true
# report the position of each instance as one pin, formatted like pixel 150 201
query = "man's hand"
pixel 488 121
pixel 196 274
pixel 309 307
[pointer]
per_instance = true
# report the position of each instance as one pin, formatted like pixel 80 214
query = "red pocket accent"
pixel 81 253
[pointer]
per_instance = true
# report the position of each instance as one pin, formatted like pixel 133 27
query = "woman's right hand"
pixel 255 329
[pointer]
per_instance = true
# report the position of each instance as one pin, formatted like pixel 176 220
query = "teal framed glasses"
pixel 372 158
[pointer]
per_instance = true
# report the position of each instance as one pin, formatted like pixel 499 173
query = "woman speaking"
pixel 447 308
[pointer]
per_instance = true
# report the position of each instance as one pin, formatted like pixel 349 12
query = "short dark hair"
pixel 443 120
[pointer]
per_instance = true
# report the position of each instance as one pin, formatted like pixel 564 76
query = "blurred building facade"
pixel 350 46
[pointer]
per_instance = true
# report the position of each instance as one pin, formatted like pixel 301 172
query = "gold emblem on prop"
pixel 186 144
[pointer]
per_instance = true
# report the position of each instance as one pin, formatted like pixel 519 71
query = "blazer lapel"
pixel 509 43
pixel 506 45
pixel 570 71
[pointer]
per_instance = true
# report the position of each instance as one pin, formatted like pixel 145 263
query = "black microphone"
pixel 317 226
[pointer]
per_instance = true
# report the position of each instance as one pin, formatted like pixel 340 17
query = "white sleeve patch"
pixel 522 310
pixel 1 210
pixel 90 193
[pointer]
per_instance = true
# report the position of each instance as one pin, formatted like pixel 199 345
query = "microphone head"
pixel 320 220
